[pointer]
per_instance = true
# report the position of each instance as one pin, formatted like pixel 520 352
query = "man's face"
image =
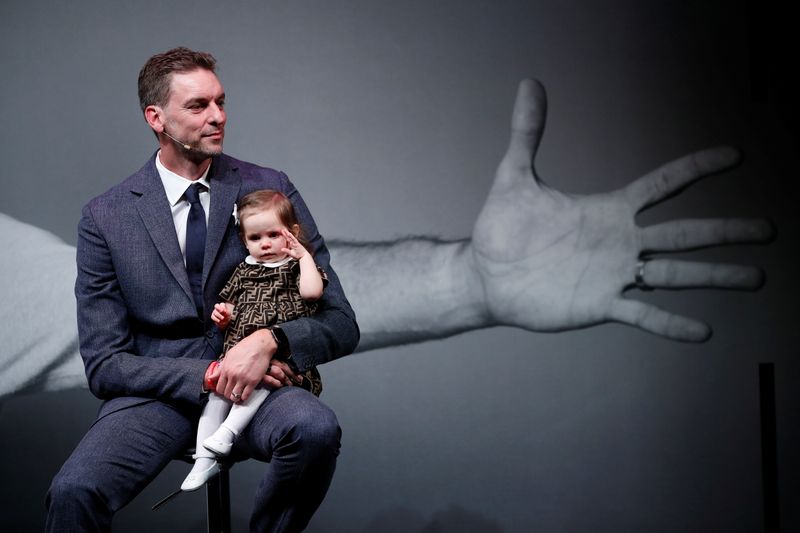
pixel 195 111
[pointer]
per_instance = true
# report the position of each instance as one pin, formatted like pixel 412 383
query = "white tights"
pixel 225 418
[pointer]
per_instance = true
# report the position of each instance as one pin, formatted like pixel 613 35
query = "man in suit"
pixel 145 291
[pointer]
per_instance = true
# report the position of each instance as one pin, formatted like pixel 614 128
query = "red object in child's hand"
pixel 209 381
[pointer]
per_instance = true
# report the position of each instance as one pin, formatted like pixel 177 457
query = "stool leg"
pixel 218 500
pixel 225 501
pixel 212 505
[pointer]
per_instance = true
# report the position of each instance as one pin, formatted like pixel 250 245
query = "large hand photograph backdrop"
pixel 392 120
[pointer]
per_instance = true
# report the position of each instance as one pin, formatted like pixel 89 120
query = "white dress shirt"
pixel 175 186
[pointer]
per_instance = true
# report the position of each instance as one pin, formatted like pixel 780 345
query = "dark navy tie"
pixel 195 242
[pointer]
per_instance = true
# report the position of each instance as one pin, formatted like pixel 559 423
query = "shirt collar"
pixel 250 260
pixel 174 184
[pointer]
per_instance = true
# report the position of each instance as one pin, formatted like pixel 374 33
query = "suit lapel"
pixel 156 214
pixel 225 184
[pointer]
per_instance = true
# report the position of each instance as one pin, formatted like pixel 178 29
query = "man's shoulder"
pixel 133 184
pixel 251 171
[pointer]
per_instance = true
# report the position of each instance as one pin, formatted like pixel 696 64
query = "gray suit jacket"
pixel 140 336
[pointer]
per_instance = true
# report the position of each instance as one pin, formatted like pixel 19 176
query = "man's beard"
pixel 199 152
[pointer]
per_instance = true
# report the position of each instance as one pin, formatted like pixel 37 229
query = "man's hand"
pixel 245 366
pixel 550 261
pixel 249 364
pixel 279 374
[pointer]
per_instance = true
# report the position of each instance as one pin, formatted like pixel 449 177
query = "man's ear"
pixel 153 114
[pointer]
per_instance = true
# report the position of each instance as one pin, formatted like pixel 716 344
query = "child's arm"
pixel 221 316
pixel 310 283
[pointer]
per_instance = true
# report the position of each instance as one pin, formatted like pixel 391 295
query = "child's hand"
pixel 221 316
pixel 293 247
pixel 212 376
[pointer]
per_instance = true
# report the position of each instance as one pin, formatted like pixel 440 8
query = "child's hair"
pixel 269 199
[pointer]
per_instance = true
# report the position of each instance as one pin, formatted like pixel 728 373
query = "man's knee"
pixel 307 424
pixel 74 490
pixel 319 429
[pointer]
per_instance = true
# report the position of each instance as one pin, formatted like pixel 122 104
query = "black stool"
pixel 218 495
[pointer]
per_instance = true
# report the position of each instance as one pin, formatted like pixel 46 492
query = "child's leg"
pixel 240 415
pixel 214 414
pixel 205 465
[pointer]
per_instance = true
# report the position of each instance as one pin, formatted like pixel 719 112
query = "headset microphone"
pixel 185 146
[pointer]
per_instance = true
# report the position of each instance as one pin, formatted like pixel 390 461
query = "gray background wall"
pixel 378 110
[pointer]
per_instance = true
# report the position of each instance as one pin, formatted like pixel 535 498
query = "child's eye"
pixel 273 235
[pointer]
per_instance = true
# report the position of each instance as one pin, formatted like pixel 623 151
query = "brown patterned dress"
pixel 265 296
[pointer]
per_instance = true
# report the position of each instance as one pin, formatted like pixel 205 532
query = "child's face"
pixel 263 236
